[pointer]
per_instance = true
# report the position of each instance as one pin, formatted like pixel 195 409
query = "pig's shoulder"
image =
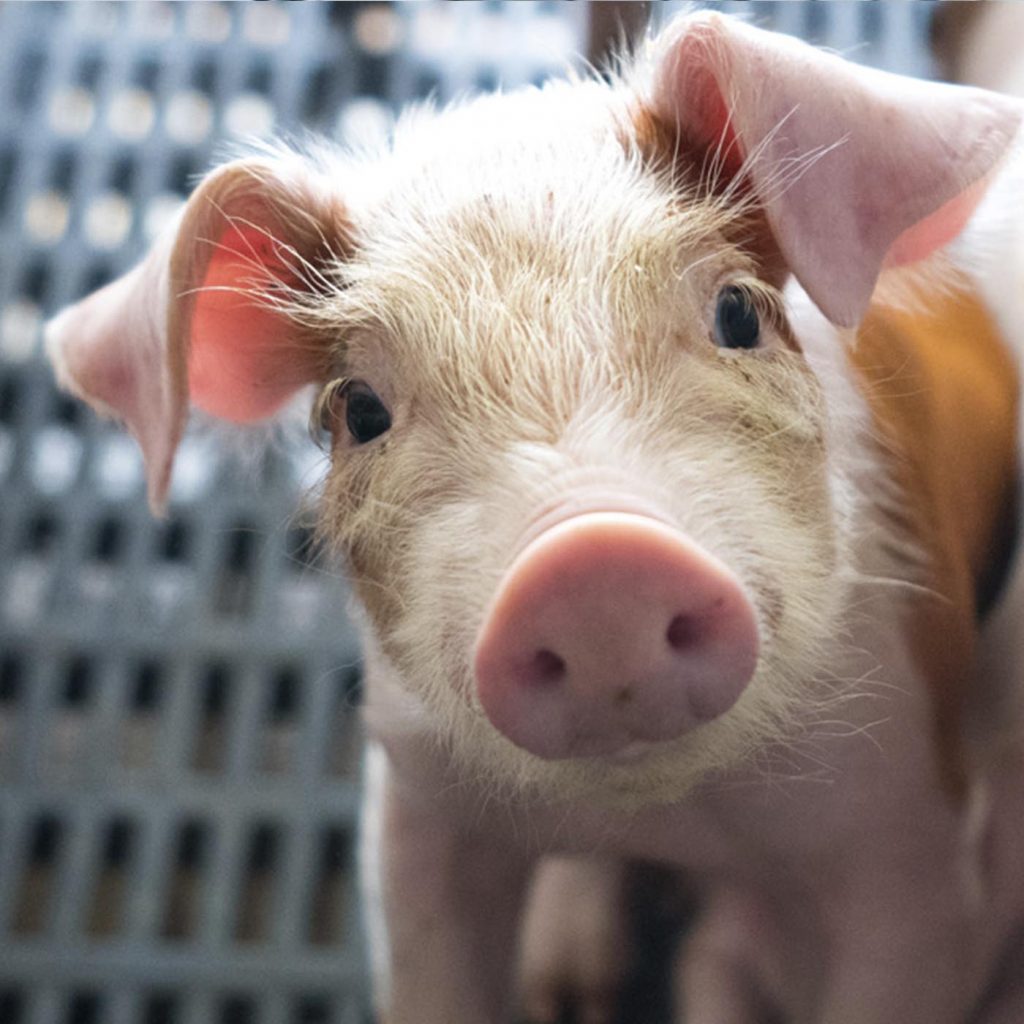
pixel 942 388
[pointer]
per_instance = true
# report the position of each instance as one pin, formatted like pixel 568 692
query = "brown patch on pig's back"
pixel 943 392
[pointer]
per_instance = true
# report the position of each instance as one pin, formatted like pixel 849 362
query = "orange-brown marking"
pixel 943 391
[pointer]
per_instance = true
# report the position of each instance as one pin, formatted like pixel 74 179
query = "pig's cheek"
pixel 362 531
pixel 440 583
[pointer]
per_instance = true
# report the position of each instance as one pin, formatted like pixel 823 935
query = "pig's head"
pixel 580 466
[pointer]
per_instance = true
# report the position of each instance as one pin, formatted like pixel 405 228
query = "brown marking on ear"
pixel 664 149
pixel 943 392
pixel 652 136
pixel 692 164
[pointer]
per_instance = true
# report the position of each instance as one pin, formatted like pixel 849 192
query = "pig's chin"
pixel 638 774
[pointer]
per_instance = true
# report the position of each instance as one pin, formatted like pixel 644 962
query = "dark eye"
pixel 736 322
pixel 365 414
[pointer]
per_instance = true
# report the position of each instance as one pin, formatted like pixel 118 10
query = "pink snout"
pixel 611 631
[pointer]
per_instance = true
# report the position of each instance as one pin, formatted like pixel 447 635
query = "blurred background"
pixel 179 743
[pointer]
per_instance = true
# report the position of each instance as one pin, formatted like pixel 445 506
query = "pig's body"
pixel 572 406
pixel 840 873
pixel 868 888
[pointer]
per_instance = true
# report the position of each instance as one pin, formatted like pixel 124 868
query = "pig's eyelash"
pixel 320 407
pixel 766 300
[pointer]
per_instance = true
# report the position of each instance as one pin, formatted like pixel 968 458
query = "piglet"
pixel 673 456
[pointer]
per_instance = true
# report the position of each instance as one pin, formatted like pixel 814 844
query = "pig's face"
pixel 546 345
pixel 580 468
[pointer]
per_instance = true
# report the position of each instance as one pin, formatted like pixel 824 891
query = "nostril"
pixel 683 632
pixel 547 668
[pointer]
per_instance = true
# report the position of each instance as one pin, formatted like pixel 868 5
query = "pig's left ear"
pixel 202 318
pixel 855 168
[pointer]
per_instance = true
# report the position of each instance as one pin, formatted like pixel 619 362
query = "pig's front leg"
pixel 723 969
pixel 443 907
pixel 575 940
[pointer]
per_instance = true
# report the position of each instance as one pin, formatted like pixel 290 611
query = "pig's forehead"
pixel 518 194
pixel 564 151
pixel 499 136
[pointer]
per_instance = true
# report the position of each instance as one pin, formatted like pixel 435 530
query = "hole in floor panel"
pixel 70 741
pixel 209 752
pixel 9 400
pixel 12 1005
pixel 41 534
pixel 162 1008
pixel 12 666
pixel 237 582
pixel 141 719
pixel 34 892
pixel 84 1008
pixel 256 896
pixel 237 1010
pixel 175 541
pixel 327 904
pixel 184 893
pixel 12 671
pixel 108 541
pixel 312 1010
pixel 281 728
pixel 105 915
pixel 78 683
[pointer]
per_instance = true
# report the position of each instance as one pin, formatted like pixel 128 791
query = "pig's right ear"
pixel 200 319
pixel 855 169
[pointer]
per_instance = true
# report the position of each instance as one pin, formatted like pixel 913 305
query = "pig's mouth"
pixel 634 752
pixel 611 633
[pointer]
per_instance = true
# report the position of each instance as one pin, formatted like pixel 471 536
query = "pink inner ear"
pixel 710 122
pixel 246 360
pixel 936 230
pixel 712 126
